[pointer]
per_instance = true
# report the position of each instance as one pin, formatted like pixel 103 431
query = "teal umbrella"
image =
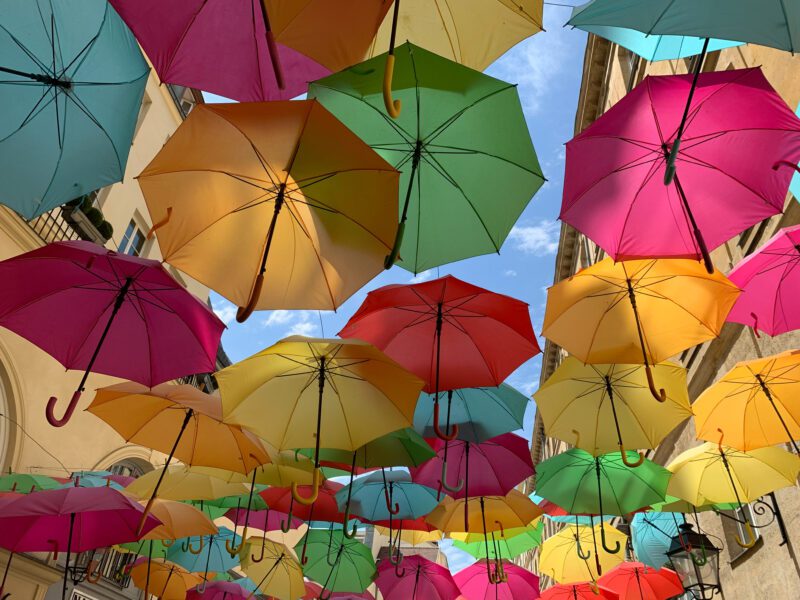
pixel 467 163
pixel 480 413
pixel 71 84
pixel 337 563
pixel 207 553
pixel 651 536
pixel 383 495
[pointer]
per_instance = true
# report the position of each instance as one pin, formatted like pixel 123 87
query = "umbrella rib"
pixel 453 118
pixel 25 50
pixel 471 151
pixel 37 109
pixel 77 101
pixel 458 54
pixel 186 32
pixel 84 52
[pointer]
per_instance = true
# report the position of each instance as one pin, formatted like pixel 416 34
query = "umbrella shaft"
pixel 46 79
pixel 395 16
pixel 610 392
pixel 271 231
pixel 768 394
pixel 697 68
pixel 69 547
pixel 632 298
pixel 319 409
pixel 414 166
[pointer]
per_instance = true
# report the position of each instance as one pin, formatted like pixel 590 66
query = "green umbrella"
pixel 673 504
pixel 23 483
pixel 468 167
pixel 401 448
pixel 337 563
pixel 213 512
pixel 506 544
pixel 240 501
pixel 584 484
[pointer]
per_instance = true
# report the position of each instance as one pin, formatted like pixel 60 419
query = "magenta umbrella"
pixel 218 590
pixel 252 50
pixel 96 310
pixel 507 582
pixel 263 520
pixel 491 468
pixel 770 284
pixel 737 131
pixel 418 579
pixel 74 519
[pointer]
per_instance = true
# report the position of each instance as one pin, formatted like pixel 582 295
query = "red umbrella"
pixel 506 582
pixel 96 310
pixel 450 333
pixel 637 581
pixel 72 519
pixel 614 190
pixel 418 579
pixel 578 591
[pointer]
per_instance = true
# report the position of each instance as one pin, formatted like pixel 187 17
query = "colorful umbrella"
pixel 218 590
pixel 449 332
pixel 461 142
pixel 769 282
pixel 651 536
pixel 179 482
pixel 263 520
pixel 573 554
pixel 508 582
pixel 635 580
pixel 384 495
pixel 206 553
pixel 412 532
pixel 63 66
pixel 602 408
pixel 337 563
pixel 622 157
pixel 24 483
pixel 642 311
pixel 418 579
pixel 578 591
pixel 275 570
pixel 244 194
pixel 252 50
pixel 128 317
pixel 506 544
pixel 496 513
pixel 352 391
pixel 479 413
pixel 163 579
pixel 754 404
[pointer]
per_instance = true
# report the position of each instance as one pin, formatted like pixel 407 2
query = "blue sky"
pixel 547 69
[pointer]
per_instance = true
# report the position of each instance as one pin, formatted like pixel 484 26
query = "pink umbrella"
pixel 637 581
pixel 509 582
pixel 770 284
pixel 218 590
pixel 315 591
pixel 96 310
pixel 71 519
pixel 264 520
pixel 614 188
pixel 418 579
pixel 235 49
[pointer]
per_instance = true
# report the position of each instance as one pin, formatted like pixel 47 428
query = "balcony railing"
pixel 53 227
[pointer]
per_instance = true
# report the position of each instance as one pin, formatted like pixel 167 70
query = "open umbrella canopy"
pixel 274 200
pixel 218 590
pixel 63 65
pixel 273 567
pixel 484 514
pixel 578 591
pixel 325 508
pixel 378 495
pixel 635 580
pixel 163 579
pixel 181 483
pixel 417 579
pixel 206 553
pixel 503 544
pixel 128 316
pixel 337 563
pixel 25 483
pixel 575 554
pixel 651 536
pixel 516 582
pixel 401 448
pixel 460 142
pixel 415 532
pixel 178 520
pixel 264 520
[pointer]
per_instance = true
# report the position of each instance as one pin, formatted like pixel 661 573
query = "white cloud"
pixel 293 322
pixel 510 273
pixel 538 240
pixel 304 326
pixel 420 277
pixel 277 317
pixel 224 310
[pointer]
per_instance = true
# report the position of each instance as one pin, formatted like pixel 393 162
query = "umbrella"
pixel 128 317
pixel 206 553
pixel 712 473
pixel 573 555
pixel 70 520
pixel 218 590
pixel 754 404
pixel 352 391
pixel 602 408
pixel 413 532
pixel 769 282
pixel 244 194
pixel 252 50
pixel 418 579
pixel 676 505
pixel 314 591
pixel 479 413
pixel 635 580
pixel 401 448
pixel 641 311
pixel 179 482
pixel 339 564
pixel 275 570
pixel 508 582
pixel 623 156
pixel 496 513
pixel 454 33
pixel 578 591
pixel 461 142
pixel 63 66
pixel 25 483
pixel 506 544
pixel 598 485
pixel 264 520
pixel 163 579
pixel 651 536
pixel 106 477
pixel 448 332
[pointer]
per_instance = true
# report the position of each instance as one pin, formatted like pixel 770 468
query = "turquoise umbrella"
pixel 480 413
pixel 651 536
pixel 206 554
pixel 71 84
pixel 384 495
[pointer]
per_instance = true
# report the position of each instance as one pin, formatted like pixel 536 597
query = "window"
pixel 689 356
pixel 126 468
pixel 749 238
pixel 133 240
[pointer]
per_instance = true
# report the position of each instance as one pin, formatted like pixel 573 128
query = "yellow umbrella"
pixel 273 568
pixel 286 467
pixel 572 555
pixel 639 311
pixel 715 474
pixel 181 483
pixel 280 192
pixel 412 537
pixel 755 404
pixel 326 393
pixel 485 513
pixel 605 408
pixel 163 579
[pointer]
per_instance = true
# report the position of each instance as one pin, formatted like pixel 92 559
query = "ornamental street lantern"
pixel 696 560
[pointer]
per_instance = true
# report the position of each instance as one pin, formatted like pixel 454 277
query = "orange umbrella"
pixel 163 578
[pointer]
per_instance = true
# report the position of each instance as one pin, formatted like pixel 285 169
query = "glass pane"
pixel 127 237
pixel 137 243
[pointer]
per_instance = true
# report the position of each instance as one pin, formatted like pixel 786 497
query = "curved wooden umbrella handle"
pixel 785 163
pixel 199 548
pixel 625 460
pixel 314 490
pixel 51 407
pixel 399 571
pixel 388 499
pixel 616 548
pixel 349 534
pixel 454 489
pixel 439 433
pixel 160 224
pixel 232 548
pixel 168 543
pixel 93 576
pixel 244 312
pixel 393 107
pixel 751 537
pixel 658 394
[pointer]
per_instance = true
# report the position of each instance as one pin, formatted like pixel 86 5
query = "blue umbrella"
pixel 384 495
pixel 206 554
pixel 71 84
pixel 651 536
pixel 93 479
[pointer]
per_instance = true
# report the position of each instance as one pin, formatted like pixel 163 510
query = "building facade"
pixel 29 376
pixel 771 567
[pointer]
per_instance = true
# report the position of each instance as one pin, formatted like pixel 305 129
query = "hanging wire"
pixel 321 326
pixel 35 441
